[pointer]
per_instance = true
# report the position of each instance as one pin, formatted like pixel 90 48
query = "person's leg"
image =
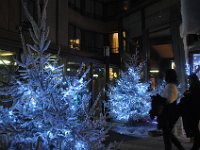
pixel 169 120
pixel 166 136
pixel 196 144
pixel 196 139
pixel 167 141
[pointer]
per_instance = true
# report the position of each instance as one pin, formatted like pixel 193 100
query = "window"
pixel 98 10
pixel 85 40
pixel 114 43
pixel 74 37
pixel 56 58
pixel 32 10
pixel 124 41
pixel 72 68
pixel 89 41
pixel 93 42
pixel 113 73
pixel 89 8
pixel 74 44
pixel 99 43
pixel 195 68
pixel 71 3
pixel 7 65
pixel 8 68
pixel 76 4
pixel 135 44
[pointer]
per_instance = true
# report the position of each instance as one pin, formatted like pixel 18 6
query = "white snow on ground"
pixel 136 130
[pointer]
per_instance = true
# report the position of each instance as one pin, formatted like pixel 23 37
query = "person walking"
pixel 170 113
pixel 190 111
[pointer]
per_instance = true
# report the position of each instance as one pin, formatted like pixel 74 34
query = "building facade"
pixel 99 33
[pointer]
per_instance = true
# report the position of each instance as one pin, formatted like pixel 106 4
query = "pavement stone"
pixel 144 143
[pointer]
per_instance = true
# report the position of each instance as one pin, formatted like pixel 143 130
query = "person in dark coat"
pixel 190 110
pixel 170 112
pixel 165 108
pixel 157 105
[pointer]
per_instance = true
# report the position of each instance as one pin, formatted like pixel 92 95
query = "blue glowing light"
pixel 129 98
pixel 49 110
pixel 187 69
pixel 80 145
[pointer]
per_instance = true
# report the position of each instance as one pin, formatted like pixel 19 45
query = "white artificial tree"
pixel 129 97
pixel 49 110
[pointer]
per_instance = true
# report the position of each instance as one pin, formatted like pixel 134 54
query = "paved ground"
pixel 143 143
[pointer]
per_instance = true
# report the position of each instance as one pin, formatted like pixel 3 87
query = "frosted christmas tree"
pixel 49 110
pixel 129 98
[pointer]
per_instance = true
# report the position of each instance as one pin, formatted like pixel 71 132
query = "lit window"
pixel 74 44
pixel 6 58
pixel 7 66
pixel 112 74
pixel 115 43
